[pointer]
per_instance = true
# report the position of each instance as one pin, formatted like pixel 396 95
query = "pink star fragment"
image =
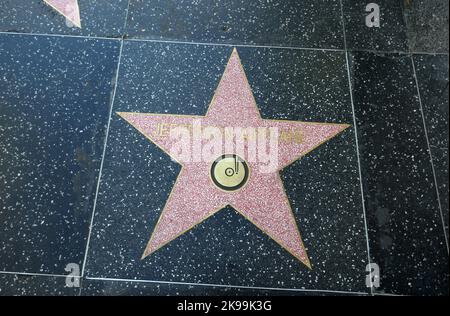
pixel 68 8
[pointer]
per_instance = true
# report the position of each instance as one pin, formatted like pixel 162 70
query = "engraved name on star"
pixel 262 200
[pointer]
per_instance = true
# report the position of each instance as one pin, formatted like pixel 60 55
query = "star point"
pixel 68 8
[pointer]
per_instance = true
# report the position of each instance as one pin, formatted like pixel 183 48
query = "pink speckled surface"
pixel 263 200
pixel 68 8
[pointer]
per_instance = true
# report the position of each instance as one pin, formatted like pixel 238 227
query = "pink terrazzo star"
pixel 262 200
pixel 68 8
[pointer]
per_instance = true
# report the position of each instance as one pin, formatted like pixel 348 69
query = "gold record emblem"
pixel 229 172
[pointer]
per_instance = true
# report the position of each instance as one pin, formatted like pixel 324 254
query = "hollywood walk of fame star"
pixel 196 195
pixel 68 8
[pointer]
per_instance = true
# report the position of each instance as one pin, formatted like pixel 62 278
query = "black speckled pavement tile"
pixel 427 25
pixel 135 288
pixel 227 249
pixel 432 76
pixel 105 18
pixel 305 23
pixel 390 36
pixel 54 105
pixel 440 160
pixel 35 285
pixel 407 240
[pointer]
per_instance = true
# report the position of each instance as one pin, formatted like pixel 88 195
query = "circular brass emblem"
pixel 229 172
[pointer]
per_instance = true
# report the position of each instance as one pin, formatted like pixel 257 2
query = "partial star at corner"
pixel 68 8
